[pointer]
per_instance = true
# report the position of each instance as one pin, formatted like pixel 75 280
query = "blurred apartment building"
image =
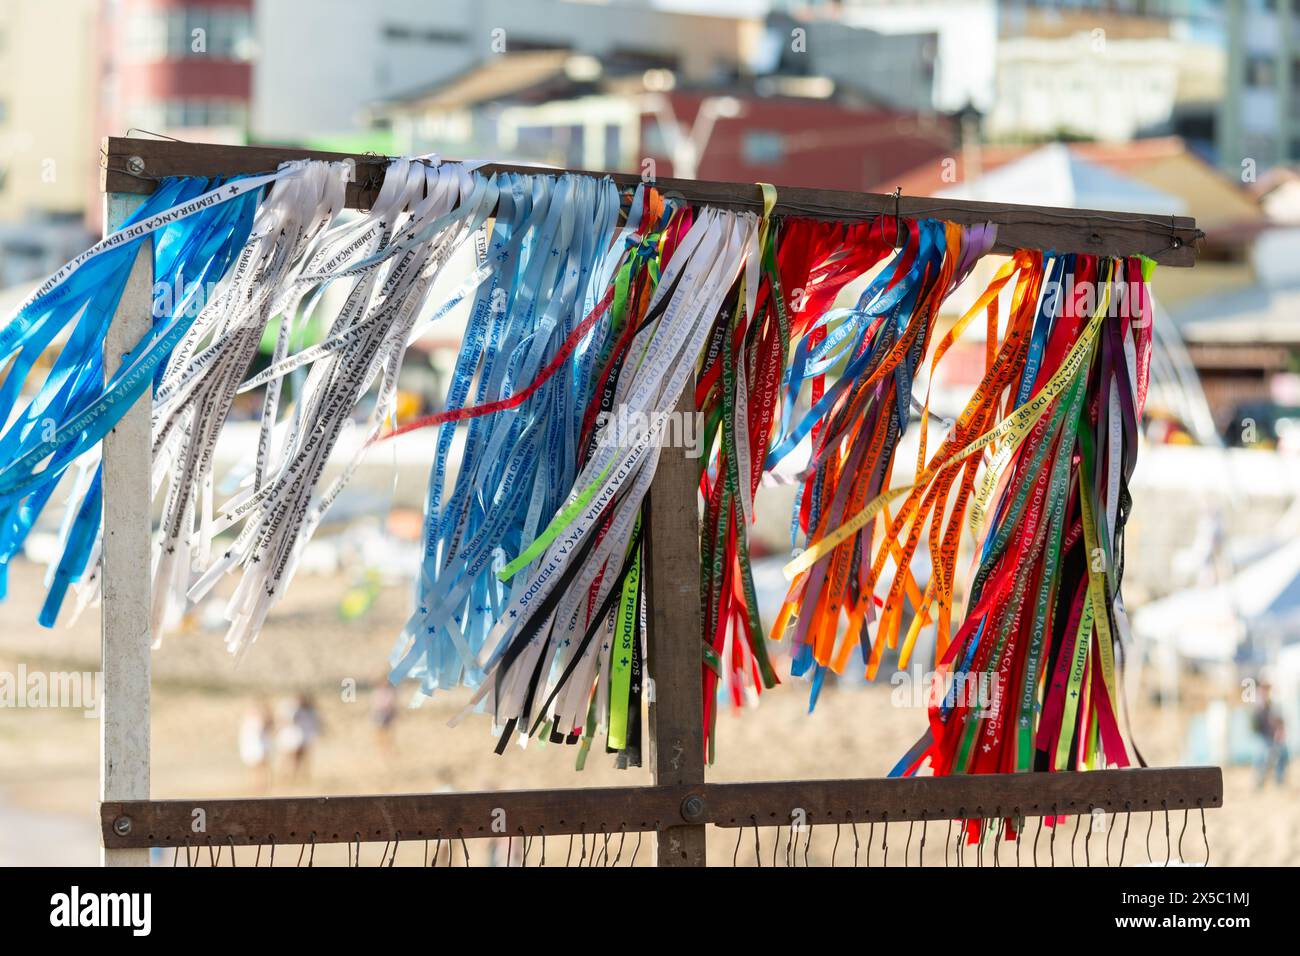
pixel 46 153
pixel 177 67
pixel 1261 116
pixel 1109 70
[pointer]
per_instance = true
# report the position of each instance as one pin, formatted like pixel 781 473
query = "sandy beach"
pixel 48 757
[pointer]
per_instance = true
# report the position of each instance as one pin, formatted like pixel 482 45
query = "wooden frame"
pixel 663 808
pixel 679 804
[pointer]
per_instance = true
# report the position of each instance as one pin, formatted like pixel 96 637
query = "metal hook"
pixel 1151 817
pixel 807 844
pixel 623 839
pixel 397 841
pixel 1051 843
pixel 637 850
pixel 1078 821
pixel 1169 846
pixel 758 846
pixel 1037 834
pixel 463 845
pixel 920 856
pixel 271 860
pixel 1181 858
pixel 884 840
pixel 740 835
pixel 1128 821
pixel 947 845
pixel 231 840
pixel 960 849
pixel 1204 835
pixel 907 847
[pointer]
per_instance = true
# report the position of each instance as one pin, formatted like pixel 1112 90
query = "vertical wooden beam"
pixel 124 614
pixel 675 657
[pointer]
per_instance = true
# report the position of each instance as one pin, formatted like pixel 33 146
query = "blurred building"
pixel 895 68
pixel 1092 84
pixel 572 110
pixel 1260 120
pixel 363 53
pixel 975 40
pixel 392 49
pixel 46 150
pixel 179 67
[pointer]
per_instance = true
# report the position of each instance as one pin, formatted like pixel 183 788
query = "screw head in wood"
pixel 693 808
pixel 134 164
pixel 122 826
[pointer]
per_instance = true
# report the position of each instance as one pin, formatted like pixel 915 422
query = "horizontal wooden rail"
pixel 281 820
pixel 134 165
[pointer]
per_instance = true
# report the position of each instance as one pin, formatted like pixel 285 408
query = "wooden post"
pixel 124 687
pixel 675 657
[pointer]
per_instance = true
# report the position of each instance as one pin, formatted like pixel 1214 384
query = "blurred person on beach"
pixel 256 738
pixel 298 732
pixel 383 714
pixel 1267 724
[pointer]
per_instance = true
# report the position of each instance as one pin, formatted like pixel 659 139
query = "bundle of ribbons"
pixel 589 310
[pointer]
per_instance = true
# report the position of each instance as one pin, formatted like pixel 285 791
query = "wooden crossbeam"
pixel 134 165
pixel 662 809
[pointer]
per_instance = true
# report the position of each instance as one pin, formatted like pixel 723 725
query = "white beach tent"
pixel 1257 610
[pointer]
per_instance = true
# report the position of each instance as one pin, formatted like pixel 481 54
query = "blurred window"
pixel 654 143
pixel 194 113
pixel 762 147
pixel 613 140
pixel 189 32
pixel 1260 71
